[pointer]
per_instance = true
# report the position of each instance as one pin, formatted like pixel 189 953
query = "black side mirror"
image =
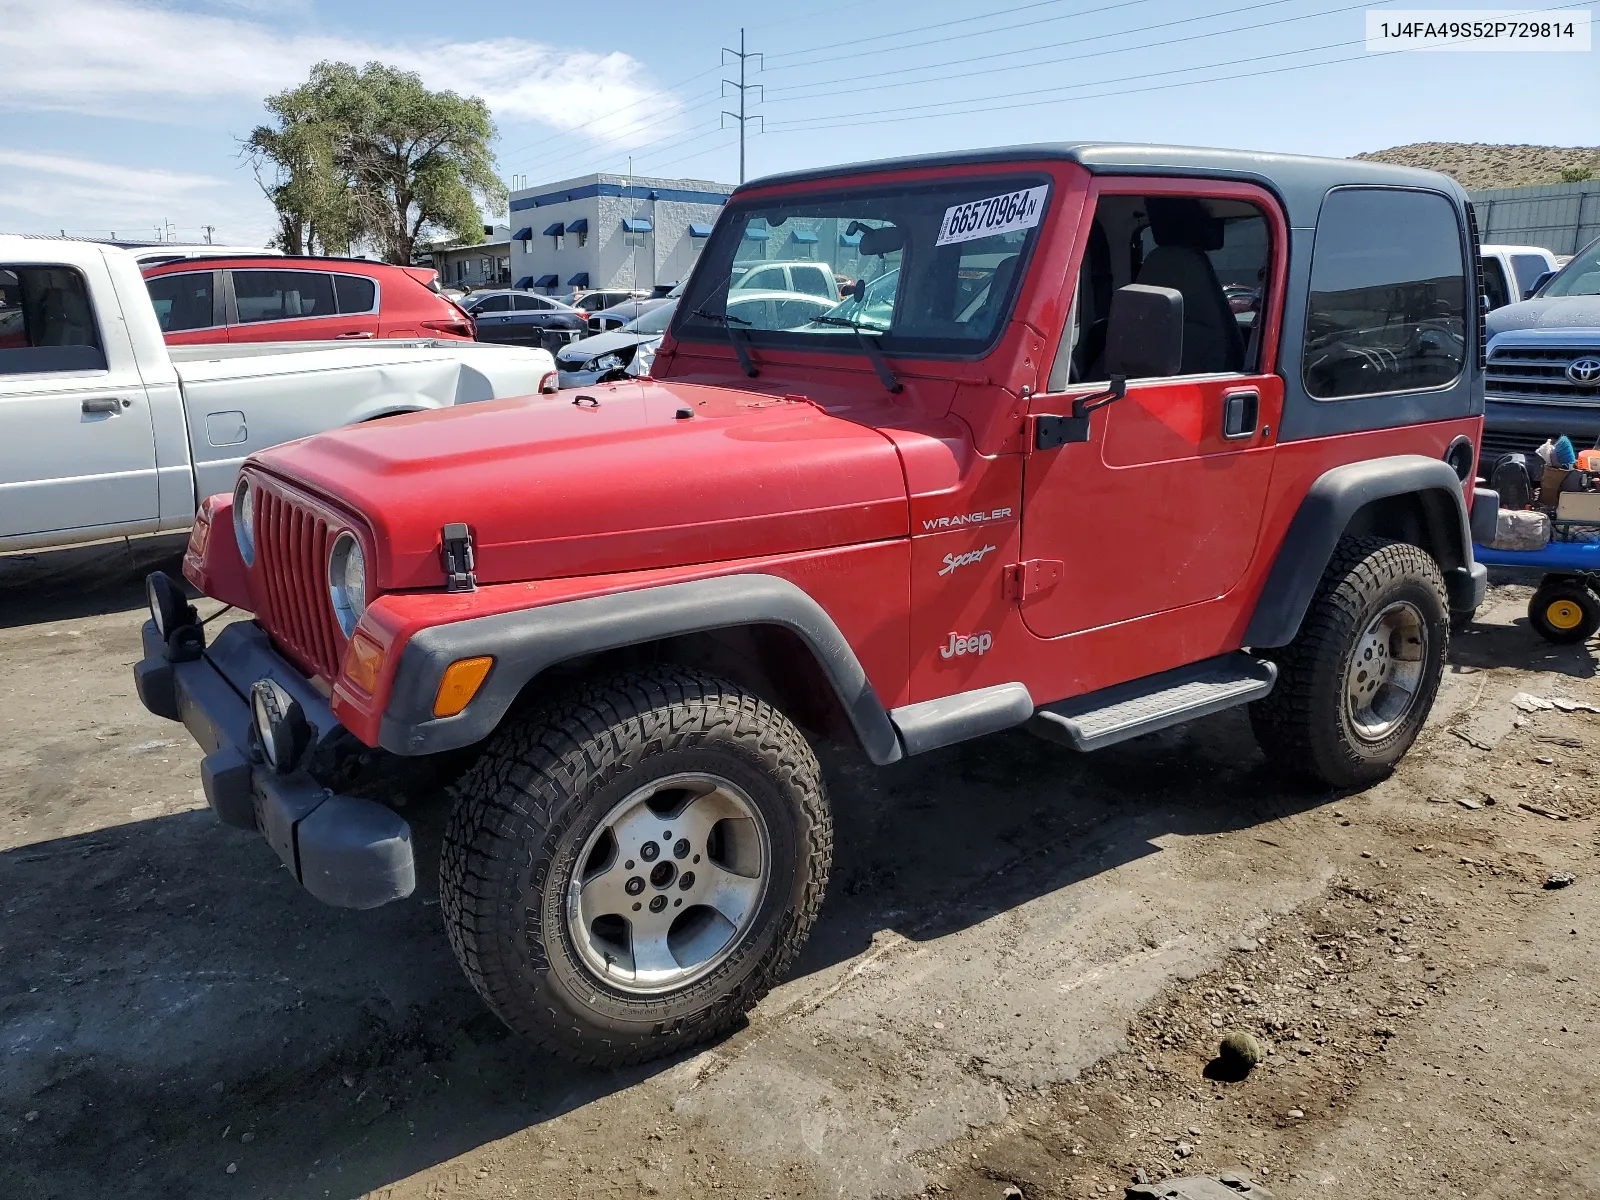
pixel 1538 283
pixel 1144 339
pixel 1144 335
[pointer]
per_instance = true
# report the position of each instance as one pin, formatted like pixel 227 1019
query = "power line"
pixel 957 37
pixel 1077 41
pixel 805 126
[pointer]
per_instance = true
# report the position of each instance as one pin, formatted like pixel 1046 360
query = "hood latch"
pixel 456 550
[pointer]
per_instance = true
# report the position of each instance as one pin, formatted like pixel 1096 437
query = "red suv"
pixel 1032 470
pixel 283 299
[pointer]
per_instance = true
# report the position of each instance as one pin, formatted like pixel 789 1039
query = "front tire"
pixel 1357 683
pixel 625 874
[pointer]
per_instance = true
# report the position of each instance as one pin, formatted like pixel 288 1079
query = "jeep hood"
pixel 1550 312
pixel 608 479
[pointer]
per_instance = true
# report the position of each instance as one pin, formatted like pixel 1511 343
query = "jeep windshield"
pixel 926 269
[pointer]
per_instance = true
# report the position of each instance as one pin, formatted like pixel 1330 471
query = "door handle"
pixel 105 404
pixel 1241 412
pixel 345 336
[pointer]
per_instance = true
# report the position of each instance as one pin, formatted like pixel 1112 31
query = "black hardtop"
pixel 1300 180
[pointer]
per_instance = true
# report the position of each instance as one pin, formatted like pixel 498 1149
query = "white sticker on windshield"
pixel 997 214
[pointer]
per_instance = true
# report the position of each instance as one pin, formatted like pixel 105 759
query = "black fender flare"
pixel 1323 518
pixel 527 642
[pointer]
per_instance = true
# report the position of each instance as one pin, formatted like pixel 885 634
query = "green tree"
pixel 296 165
pixel 374 148
pixel 1576 174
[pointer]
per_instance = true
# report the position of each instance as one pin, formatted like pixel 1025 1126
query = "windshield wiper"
pixel 869 345
pixel 736 337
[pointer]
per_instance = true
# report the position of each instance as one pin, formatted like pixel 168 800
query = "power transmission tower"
pixel 744 88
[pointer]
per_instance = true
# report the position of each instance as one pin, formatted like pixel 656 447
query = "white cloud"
pixel 116 59
pixel 44 192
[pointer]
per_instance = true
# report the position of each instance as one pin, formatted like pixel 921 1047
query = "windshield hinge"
pixel 455 547
pixel 1021 580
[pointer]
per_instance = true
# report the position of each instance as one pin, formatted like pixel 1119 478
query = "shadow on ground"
pixel 166 988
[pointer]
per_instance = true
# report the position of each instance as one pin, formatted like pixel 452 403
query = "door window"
pixel 282 295
pixel 46 322
pixel 1387 311
pixel 494 304
pixel 1214 252
pixel 1494 282
pixel 356 294
pixel 183 302
pixel 766 279
pixel 811 281
pixel 530 304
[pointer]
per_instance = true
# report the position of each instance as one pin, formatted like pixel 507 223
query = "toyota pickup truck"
pixel 107 432
pixel 1039 474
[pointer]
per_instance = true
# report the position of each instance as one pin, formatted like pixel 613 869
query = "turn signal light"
pixel 363 661
pixel 460 684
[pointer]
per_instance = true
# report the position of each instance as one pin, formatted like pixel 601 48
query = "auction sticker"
pixel 997 214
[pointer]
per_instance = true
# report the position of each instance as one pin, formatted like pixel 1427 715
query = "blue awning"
pixel 637 225
pixel 699 231
pixel 803 237
pixel 546 281
pixel 757 233
pixel 850 239
pixel 555 230
pixel 581 279
pixel 581 225
pixel 525 282
pixel 523 234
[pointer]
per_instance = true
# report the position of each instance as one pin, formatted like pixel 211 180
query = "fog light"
pixel 460 684
pixel 280 724
pixel 363 661
pixel 169 607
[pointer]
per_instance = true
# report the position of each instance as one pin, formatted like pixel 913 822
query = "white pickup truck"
pixel 106 432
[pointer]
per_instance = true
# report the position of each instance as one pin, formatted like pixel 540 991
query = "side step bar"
pixel 1129 710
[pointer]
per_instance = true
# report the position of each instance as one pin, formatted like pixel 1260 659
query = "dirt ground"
pixel 1025 965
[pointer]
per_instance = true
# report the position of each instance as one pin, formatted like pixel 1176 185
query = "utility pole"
pixel 742 55
pixel 210 229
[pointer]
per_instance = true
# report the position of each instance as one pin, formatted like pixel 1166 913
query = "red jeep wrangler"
pixel 1100 439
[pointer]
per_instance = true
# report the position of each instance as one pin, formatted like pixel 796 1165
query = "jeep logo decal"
pixel 973 643
pixel 952 561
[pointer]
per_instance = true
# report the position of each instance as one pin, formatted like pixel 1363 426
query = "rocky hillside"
pixel 1476 165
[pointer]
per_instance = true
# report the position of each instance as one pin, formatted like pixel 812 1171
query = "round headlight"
pixel 347 581
pixel 244 521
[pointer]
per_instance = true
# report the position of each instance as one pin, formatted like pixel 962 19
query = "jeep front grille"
pixel 292 581
pixel 1539 374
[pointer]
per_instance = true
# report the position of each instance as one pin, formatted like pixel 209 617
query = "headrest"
pixel 1183 221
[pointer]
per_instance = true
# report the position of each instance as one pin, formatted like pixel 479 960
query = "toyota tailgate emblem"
pixel 1585 372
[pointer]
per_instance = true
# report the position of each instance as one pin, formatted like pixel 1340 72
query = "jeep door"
pixel 1161 507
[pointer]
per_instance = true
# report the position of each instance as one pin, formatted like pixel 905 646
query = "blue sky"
pixel 125 114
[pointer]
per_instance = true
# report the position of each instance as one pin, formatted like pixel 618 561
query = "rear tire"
pixel 1357 683
pixel 1564 611
pixel 627 873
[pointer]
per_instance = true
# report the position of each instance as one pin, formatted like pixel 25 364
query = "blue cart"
pixel 1564 607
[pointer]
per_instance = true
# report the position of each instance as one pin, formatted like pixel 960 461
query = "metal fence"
pixel 1561 217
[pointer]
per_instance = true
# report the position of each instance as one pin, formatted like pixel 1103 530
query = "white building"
pixel 611 231
pixel 482 264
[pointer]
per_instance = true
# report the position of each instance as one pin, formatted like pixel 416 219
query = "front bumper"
pixel 1517 425
pixel 344 850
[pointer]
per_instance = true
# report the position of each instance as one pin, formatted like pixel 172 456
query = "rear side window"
pixel 355 293
pixel 182 302
pixel 1387 311
pixel 46 322
pixel 283 295
pixel 530 304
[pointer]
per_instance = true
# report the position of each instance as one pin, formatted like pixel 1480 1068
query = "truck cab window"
pixel 46 322
pixel 1387 311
